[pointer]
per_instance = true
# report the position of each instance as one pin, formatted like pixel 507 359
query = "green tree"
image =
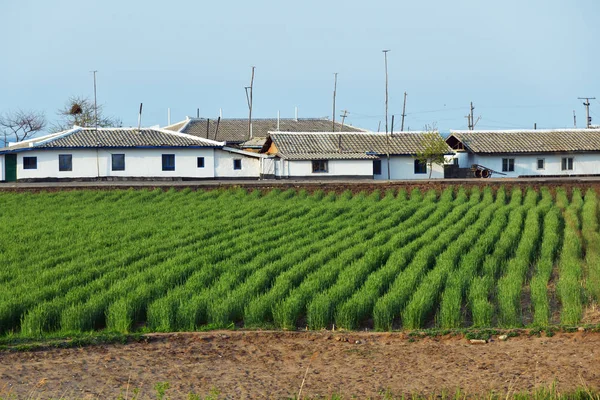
pixel 434 148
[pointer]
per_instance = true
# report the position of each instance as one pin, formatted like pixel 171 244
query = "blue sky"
pixel 520 61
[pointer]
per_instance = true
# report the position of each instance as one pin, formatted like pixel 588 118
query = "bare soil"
pixel 272 365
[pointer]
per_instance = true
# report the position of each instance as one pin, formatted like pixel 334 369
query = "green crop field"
pixel 127 260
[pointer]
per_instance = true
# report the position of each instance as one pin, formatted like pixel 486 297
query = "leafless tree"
pixel 79 110
pixel 20 125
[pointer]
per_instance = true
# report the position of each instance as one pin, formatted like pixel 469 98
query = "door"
pixel 10 167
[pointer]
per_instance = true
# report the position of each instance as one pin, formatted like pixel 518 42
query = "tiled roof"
pixel 529 141
pixel 114 137
pixel 235 130
pixel 366 145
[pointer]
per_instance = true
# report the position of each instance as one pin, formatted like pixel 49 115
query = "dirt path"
pixel 272 365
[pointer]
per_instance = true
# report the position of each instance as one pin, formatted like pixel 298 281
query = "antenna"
pixel 386 91
pixel 198 113
pixel 586 103
pixel 574 120
pixel 95 103
pixel 139 118
pixel 335 74
pixel 249 100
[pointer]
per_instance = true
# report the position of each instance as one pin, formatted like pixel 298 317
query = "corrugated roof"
pixel 365 145
pixel 114 137
pixel 235 130
pixel 529 141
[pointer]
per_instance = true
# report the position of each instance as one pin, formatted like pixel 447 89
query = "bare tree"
pixel 20 125
pixel 80 111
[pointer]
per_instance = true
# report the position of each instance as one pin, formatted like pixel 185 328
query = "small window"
pixel 541 163
pixel 377 167
pixel 118 162
pixel 319 166
pixel 508 164
pixel 455 162
pixel 65 162
pixel 420 167
pixel 567 164
pixel 200 162
pixel 237 164
pixel 29 162
pixel 168 162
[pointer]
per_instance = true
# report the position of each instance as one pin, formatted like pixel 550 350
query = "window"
pixel 455 162
pixel 420 167
pixel 200 162
pixel 508 164
pixel 118 162
pixel 168 162
pixel 540 163
pixel 319 166
pixel 65 162
pixel 237 164
pixel 29 162
pixel 377 167
pixel 567 164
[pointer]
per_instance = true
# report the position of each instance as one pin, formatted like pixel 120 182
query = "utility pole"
pixel 249 100
pixel 471 119
pixel 95 103
pixel 344 115
pixel 386 90
pixel 574 120
pixel 335 74
pixel 586 103
pixel 388 137
pixel 403 113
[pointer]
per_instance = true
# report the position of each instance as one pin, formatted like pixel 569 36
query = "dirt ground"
pixel 273 364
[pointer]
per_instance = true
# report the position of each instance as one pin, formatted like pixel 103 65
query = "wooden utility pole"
pixel 344 115
pixel 335 74
pixel 249 99
pixel 471 117
pixel 386 90
pixel 403 113
pixel 586 103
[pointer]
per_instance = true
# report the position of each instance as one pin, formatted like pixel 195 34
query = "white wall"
pixel 303 168
pixel 224 165
pixel 403 168
pixel 583 164
pixel 2 167
pixel 138 163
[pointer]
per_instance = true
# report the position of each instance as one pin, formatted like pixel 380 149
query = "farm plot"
pixel 129 260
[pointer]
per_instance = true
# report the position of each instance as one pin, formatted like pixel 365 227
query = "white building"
pixel 125 153
pixel 541 152
pixel 347 155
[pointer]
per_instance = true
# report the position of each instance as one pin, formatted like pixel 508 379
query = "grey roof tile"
pixel 114 137
pixel 529 141
pixel 365 145
pixel 235 130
